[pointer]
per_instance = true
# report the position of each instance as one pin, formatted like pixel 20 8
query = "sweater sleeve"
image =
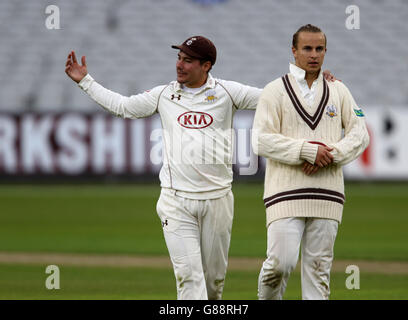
pixel 136 106
pixel 356 137
pixel 267 141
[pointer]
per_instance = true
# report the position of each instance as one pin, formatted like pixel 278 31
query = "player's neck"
pixel 196 84
pixel 310 77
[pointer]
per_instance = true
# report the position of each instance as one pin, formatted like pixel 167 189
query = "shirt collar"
pixel 210 83
pixel 299 73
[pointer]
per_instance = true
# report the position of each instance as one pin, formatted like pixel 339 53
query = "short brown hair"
pixel 307 28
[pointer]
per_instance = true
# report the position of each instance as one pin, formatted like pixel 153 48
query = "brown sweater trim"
pixel 312 121
pixel 305 193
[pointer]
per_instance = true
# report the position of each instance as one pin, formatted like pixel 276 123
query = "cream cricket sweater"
pixel 287 132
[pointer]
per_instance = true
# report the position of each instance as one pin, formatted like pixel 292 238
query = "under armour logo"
pixel 165 223
pixel 173 96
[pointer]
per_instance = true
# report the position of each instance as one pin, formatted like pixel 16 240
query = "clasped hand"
pixel 323 159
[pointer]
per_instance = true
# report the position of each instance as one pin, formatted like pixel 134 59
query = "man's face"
pixel 310 51
pixel 190 72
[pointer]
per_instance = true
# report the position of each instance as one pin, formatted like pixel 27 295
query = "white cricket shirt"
pixel 198 138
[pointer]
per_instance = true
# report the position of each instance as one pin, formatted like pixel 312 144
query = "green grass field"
pixel 121 219
pixel 27 282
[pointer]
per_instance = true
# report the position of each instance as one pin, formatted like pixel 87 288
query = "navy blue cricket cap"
pixel 199 47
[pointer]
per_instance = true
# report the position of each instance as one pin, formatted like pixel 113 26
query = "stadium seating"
pixel 127 44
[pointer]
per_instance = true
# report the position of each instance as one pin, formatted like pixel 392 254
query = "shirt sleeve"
pixel 136 106
pixel 356 137
pixel 267 141
pixel 243 96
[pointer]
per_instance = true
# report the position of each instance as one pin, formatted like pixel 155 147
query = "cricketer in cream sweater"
pixel 298 117
pixel 287 140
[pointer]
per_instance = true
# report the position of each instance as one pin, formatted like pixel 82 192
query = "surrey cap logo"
pixel 189 42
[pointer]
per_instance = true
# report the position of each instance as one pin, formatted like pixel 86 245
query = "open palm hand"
pixel 73 69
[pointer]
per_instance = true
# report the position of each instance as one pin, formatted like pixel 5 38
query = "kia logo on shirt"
pixel 195 120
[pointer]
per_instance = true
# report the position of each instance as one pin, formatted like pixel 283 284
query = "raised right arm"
pixel 136 106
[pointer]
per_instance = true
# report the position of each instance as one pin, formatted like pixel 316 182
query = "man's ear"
pixel 207 66
pixel 294 51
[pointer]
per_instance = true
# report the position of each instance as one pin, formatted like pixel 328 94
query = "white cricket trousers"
pixel 316 237
pixel 197 235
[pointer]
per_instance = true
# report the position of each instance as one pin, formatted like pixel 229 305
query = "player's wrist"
pixel 85 82
pixel 309 152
